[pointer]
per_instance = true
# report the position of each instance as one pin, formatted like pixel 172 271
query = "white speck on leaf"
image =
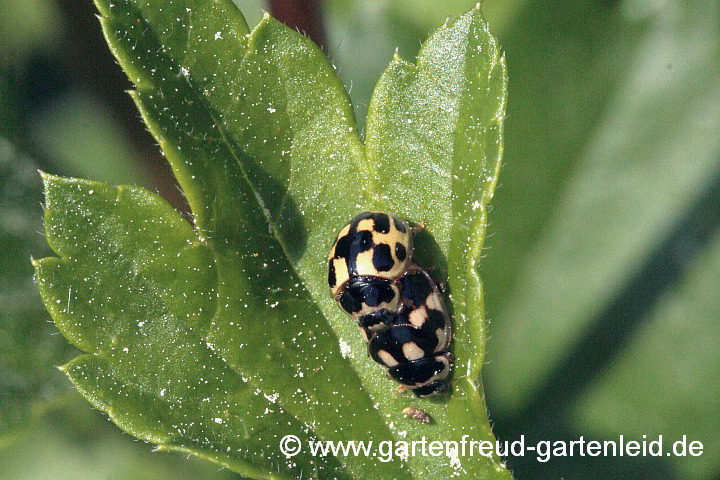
pixel 345 349
pixel 272 398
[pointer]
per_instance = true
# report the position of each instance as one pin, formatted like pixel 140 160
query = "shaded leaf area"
pixel 29 345
pixel 219 340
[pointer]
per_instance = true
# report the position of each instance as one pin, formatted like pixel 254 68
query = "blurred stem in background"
pixel 305 16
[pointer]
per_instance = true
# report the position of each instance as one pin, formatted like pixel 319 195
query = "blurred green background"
pixel 602 269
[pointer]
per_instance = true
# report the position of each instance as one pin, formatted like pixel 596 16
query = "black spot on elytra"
pixel 400 251
pixel 349 302
pixel 358 218
pixel 342 247
pixel 361 242
pixel 417 372
pixel 399 224
pixel 436 319
pixel 433 388
pixel 382 259
pixel 358 242
pixel 372 291
pixel 382 223
pixel 416 288
pixel 394 338
pixel 379 292
pixel 331 274
pixel 378 318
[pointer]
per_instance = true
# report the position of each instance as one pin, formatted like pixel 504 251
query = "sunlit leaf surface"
pixel 219 338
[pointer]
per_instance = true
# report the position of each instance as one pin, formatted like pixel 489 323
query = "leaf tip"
pixel 47 180
pixel 48 177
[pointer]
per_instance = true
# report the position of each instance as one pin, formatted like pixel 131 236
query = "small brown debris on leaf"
pixel 417 414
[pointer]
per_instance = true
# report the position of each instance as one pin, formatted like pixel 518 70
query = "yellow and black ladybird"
pixel 369 254
pixel 397 305
pixel 412 342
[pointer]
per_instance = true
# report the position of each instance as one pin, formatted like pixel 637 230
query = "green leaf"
pixel 218 339
pixel 137 290
pixel 434 137
pixel 440 124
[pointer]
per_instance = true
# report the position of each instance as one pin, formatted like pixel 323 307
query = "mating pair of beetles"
pixel 397 305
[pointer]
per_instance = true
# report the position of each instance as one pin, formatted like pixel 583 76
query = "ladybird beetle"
pixel 369 254
pixel 411 342
pixel 398 307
